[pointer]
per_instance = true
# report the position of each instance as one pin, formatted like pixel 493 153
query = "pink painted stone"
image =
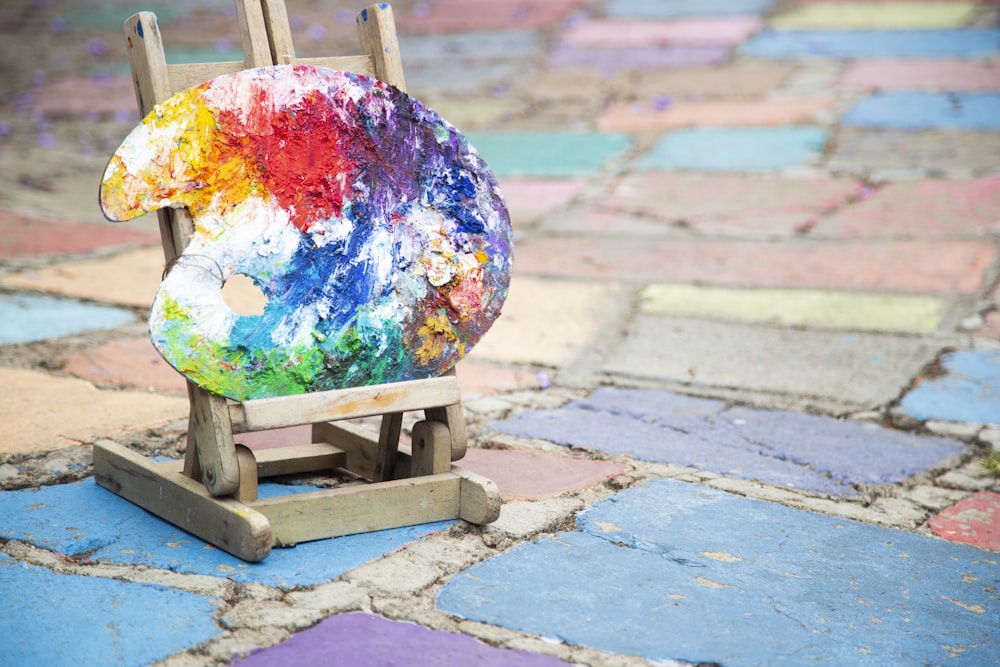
pixel 82 96
pixel 921 209
pixel 474 15
pixel 27 235
pixel 478 379
pixel 951 75
pixel 126 363
pixel 975 521
pixel 723 30
pixel 940 267
pixel 731 204
pixel 527 199
pixel 527 474
pixel 670 114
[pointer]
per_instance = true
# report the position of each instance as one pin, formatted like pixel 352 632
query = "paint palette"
pixel 377 233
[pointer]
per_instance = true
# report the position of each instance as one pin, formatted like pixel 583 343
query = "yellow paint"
pixel 721 556
pixel 975 608
pixel 434 335
pixel 876 16
pixel 708 583
pixel 792 307
pixel 608 527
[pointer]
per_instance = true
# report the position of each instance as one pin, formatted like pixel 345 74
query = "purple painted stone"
pixel 364 639
pixel 613 59
pixel 816 454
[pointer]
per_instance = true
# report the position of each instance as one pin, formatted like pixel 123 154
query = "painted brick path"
pixel 736 404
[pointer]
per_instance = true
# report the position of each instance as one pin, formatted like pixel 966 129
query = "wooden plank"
pixel 363 508
pixel 253 33
pixel 454 418
pixel 323 406
pixel 377 34
pixel 210 428
pixel 279 33
pixel 431 448
pixel 296 459
pixel 357 442
pixel 480 497
pixel 167 493
pixel 358 64
pixel 388 446
pixel 189 75
pixel 248 474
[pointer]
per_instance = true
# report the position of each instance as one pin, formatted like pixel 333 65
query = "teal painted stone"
pixel 550 154
pixel 736 149
pixel 29 317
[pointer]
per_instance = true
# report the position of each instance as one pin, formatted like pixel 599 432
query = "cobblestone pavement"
pixel 737 402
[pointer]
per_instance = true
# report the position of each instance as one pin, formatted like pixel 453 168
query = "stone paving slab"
pixel 876 16
pixel 940 267
pixel 528 199
pixel 714 30
pixel 612 59
pixel 549 154
pixel 548 323
pixel 527 474
pixel 42 412
pixel 663 9
pixel 889 74
pixel 919 209
pixel 857 311
pixel 341 640
pixel 30 317
pixel 805 452
pixel 907 154
pixel 644 559
pixel 736 149
pixel 83 519
pixel 663 114
pixel 24 235
pixel 908 110
pixel 75 620
pixel 859 370
pixel 469 16
pixel 805 44
pixel 968 390
pixel 974 520
pixel 742 78
pixel 493 45
pixel 732 204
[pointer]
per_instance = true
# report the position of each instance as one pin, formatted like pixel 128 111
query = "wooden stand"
pixel 213 493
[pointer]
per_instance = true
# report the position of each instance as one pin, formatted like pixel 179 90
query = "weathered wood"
pixel 454 418
pixel 296 459
pixel 361 508
pixel 431 448
pixel 164 491
pixel 357 442
pixel 248 474
pixel 189 75
pixel 388 446
pixel 253 33
pixel 211 429
pixel 321 406
pixel 279 33
pixel 377 34
pixel 358 64
pixel 480 497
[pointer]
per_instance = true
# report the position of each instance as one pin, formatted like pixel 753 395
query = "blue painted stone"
pixel 28 317
pixel 673 571
pixel 83 518
pixel 549 154
pixel 735 149
pixel 57 619
pixel 906 110
pixel 796 44
pixel 969 391
pixel 341 640
pixel 662 9
pixel 807 452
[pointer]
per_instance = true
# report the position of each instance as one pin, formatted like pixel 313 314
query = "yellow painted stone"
pixel 792 307
pixel 41 412
pixel 876 16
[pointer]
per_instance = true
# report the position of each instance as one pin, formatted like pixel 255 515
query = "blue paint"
pixel 383 5
pixel 736 149
pixel 796 44
pixel 549 154
pixel 673 571
pixel 28 317
pixel 907 110
pixel 55 619
pixel 661 9
pixel 364 14
pixel 969 391
pixel 83 518
pixel 655 425
pixel 139 29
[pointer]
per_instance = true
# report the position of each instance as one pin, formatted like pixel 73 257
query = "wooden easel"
pixel 213 494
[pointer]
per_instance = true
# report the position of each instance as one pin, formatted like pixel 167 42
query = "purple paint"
pixel 355 639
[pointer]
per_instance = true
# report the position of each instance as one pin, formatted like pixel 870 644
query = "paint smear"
pixel 377 234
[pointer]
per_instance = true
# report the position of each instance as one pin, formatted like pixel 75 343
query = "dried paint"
pixel 377 233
